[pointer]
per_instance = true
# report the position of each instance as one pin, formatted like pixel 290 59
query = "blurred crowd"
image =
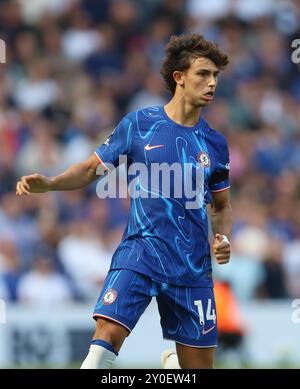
pixel 75 67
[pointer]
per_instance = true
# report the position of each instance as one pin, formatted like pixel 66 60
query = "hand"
pixel 221 248
pixel 34 183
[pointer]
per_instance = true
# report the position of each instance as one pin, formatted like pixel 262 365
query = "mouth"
pixel 209 95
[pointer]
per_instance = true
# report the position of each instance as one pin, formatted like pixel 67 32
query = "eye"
pixel 203 73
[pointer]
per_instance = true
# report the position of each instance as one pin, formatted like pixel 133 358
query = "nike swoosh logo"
pixel 204 332
pixel 148 147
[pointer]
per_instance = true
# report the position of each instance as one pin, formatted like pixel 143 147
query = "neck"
pixel 182 112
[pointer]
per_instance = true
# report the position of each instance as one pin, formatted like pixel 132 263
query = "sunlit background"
pixel 74 68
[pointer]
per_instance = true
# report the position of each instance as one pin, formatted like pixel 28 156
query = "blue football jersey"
pixel 166 237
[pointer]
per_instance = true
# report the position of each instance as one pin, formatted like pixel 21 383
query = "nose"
pixel 212 81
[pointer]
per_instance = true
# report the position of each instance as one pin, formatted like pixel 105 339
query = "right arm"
pixel 82 174
pixel 76 176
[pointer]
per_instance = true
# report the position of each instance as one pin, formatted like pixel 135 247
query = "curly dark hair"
pixel 182 49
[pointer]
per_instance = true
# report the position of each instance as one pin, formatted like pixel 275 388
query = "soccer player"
pixel 165 250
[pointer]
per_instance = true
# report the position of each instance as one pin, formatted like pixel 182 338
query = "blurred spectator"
pixel 41 152
pixel 97 14
pixel 274 285
pixel 151 94
pixel 107 58
pixel 124 17
pixel 80 39
pixel 35 9
pixel 85 258
pixel 291 266
pixel 3 290
pixel 10 268
pixel 158 35
pixel 44 287
pixel 17 226
pixel 38 90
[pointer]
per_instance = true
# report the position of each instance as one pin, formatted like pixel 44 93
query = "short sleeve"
pixel 219 179
pixel 117 144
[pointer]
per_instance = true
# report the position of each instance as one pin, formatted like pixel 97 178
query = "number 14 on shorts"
pixel 210 313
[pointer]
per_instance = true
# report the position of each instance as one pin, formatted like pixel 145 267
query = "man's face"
pixel 200 81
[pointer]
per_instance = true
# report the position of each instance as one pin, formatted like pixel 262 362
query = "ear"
pixel 178 77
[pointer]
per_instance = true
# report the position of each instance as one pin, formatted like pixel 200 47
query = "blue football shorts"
pixel 188 315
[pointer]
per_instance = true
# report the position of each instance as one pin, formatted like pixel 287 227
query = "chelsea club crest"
pixel 109 297
pixel 203 159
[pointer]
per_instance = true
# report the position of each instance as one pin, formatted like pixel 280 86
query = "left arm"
pixel 221 222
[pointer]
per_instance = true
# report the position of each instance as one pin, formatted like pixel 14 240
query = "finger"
pixel 221 238
pixel 222 246
pixel 23 190
pixel 219 248
pixel 25 183
pixel 18 189
pixel 222 256
pixel 222 252
pixel 218 238
pixel 223 261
